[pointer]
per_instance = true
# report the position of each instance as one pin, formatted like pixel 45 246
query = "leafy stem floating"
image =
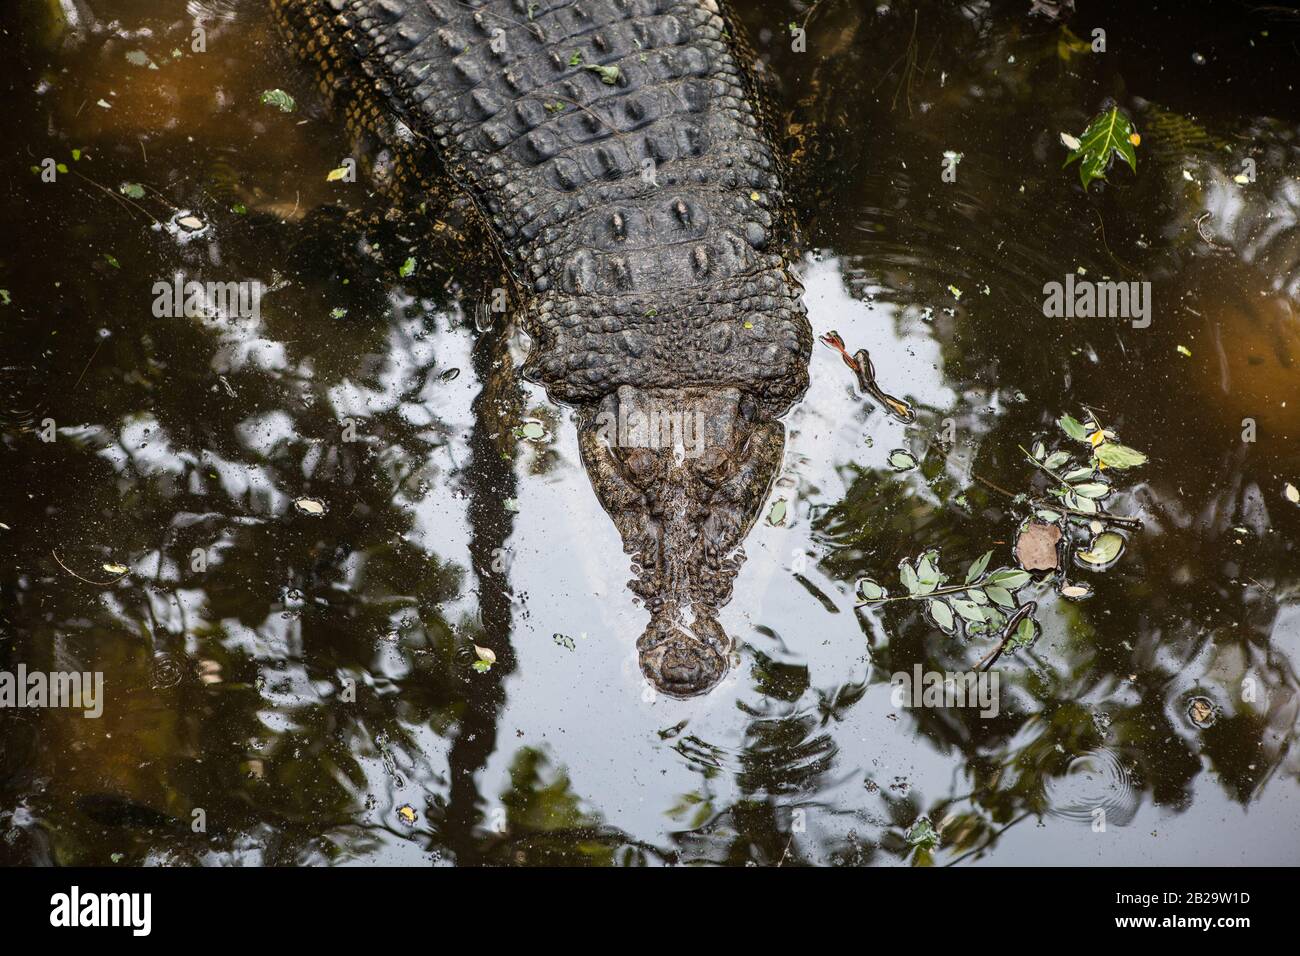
pixel 1080 490
pixel 1110 134
pixel 1080 486
pixel 986 595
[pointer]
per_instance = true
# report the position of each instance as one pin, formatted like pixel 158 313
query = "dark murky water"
pixel 307 681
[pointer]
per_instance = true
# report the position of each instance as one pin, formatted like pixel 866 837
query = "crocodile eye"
pixel 747 408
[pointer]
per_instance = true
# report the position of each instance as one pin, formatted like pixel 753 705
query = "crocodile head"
pixel 683 473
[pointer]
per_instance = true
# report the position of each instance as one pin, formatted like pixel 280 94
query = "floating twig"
pixel 98 584
pixel 1013 623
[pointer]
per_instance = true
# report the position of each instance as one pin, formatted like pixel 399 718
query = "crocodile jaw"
pixel 683 474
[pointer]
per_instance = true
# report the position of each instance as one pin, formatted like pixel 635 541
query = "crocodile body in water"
pixel 618 152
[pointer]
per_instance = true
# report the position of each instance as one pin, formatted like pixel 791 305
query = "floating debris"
pixel 486 658
pixel 407 814
pixel 1292 493
pixel 140 58
pixel 532 430
pixel 1202 712
pixel 1036 546
pixel 314 507
pixel 860 362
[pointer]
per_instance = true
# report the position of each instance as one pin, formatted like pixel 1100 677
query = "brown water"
pixel 309 684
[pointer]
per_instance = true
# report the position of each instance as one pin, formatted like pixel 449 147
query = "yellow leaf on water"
pixel 1292 493
pixel 115 568
pixel 336 174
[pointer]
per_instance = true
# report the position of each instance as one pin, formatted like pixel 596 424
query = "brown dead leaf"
pixel 1036 546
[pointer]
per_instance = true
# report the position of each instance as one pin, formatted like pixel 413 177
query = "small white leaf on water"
pixel 901 460
pixel 777 515
pixel 485 654
pixel 310 506
pixel 1069 142
pixel 1292 494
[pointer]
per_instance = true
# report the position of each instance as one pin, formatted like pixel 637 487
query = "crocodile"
pixel 620 157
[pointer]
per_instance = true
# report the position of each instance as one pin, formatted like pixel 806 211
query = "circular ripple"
pixel 1092 781
pixel 168 671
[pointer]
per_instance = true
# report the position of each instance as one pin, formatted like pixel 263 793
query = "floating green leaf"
pixel 1000 595
pixel 901 460
pixel 922 834
pixel 280 100
pixel 1092 489
pixel 1106 547
pixel 927 572
pixel 1114 455
pixel 977 567
pixel 407 268
pixel 870 590
pixel 907 574
pixel 776 516
pixel 942 615
pixel 1026 631
pixel 1073 428
pixel 1110 133
pixel 1013 579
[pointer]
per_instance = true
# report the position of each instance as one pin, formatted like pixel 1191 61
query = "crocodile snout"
pixel 682 664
